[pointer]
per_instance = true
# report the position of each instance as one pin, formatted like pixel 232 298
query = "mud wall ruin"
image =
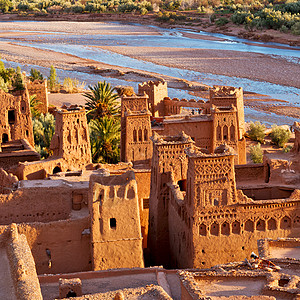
pixel 15 115
pixel 115 223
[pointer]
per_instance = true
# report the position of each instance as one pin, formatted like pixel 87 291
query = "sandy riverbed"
pixel 253 66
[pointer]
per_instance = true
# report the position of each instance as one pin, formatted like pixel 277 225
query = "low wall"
pixel 36 204
pixel 58 247
pixel 249 172
pixel 22 265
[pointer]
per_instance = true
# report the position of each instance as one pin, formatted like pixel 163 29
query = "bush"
pixel 256 131
pixel 43 130
pixel 222 21
pixel 72 85
pixel 256 154
pixel 279 135
pixel 53 80
pixel 18 80
pixel 296 28
pixel 35 75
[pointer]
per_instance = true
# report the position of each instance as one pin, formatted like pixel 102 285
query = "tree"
pixel 43 130
pixel 256 154
pixel 256 131
pixel 18 81
pixel 34 103
pixel 279 135
pixel 53 80
pixel 101 101
pixel 105 139
pixel 35 75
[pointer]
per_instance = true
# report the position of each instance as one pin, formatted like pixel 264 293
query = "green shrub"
pixel 256 131
pixel 296 28
pixel 256 154
pixel 287 149
pixel 3 85
pixel 35 75
pixel 43 130
pixel 53 80
pixel 222 21
pixel 279 135
pixel 18 80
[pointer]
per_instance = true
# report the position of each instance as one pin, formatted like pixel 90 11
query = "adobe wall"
pixel 134 103
pixel 68 244
pixel 39 88
pixel 225 130
pixel 230 233
pixel 71 140
pixel 157 91
pixel 249 172
pixel 22 265
pixel 115 222
pixel 168 163
pixel 199 128
pixel 227 96
pixel 143 180
pixel 15 115
pixel 138 146
pixel 181 248
pixel 40 169
pixel 17 151
pixel 174 106
pixel 31 205
pixel 8 182
pixel 296 127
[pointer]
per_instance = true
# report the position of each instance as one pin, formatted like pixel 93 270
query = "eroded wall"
pixel 115 222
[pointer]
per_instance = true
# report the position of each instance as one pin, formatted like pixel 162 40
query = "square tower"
pixel 115 222
pixel 169 164
pixel 138 146
pixel 210 179
pixel 227 96
pixel 157 91
pixel 71 140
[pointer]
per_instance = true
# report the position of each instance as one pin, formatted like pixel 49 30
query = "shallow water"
pixel 82 44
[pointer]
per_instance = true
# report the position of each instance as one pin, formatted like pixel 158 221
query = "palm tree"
pixel 101 101
pixel 105 139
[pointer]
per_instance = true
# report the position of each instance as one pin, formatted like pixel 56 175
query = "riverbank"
pixel 201 22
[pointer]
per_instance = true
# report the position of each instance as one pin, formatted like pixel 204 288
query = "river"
pixel 82 42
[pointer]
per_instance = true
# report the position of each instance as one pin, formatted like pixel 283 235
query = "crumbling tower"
pixel 71 140
pixel 15 115
pixel 157 91
pixel 115 223
pixel 169 164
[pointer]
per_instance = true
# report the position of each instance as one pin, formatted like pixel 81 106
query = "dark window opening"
pixel 182 185
pixel 27 133
pixel 70 294
pixel 283 282
pixel 11 116
pixel 56 170
pixel 146 203
pixel 23 106
pixel 4 138
pixel 113 223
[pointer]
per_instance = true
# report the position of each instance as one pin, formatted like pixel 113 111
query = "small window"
pixel 23 106
pixel 4 138
pixel 113 223
pixel 146 203
pixel 11 116
pixel 27 133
